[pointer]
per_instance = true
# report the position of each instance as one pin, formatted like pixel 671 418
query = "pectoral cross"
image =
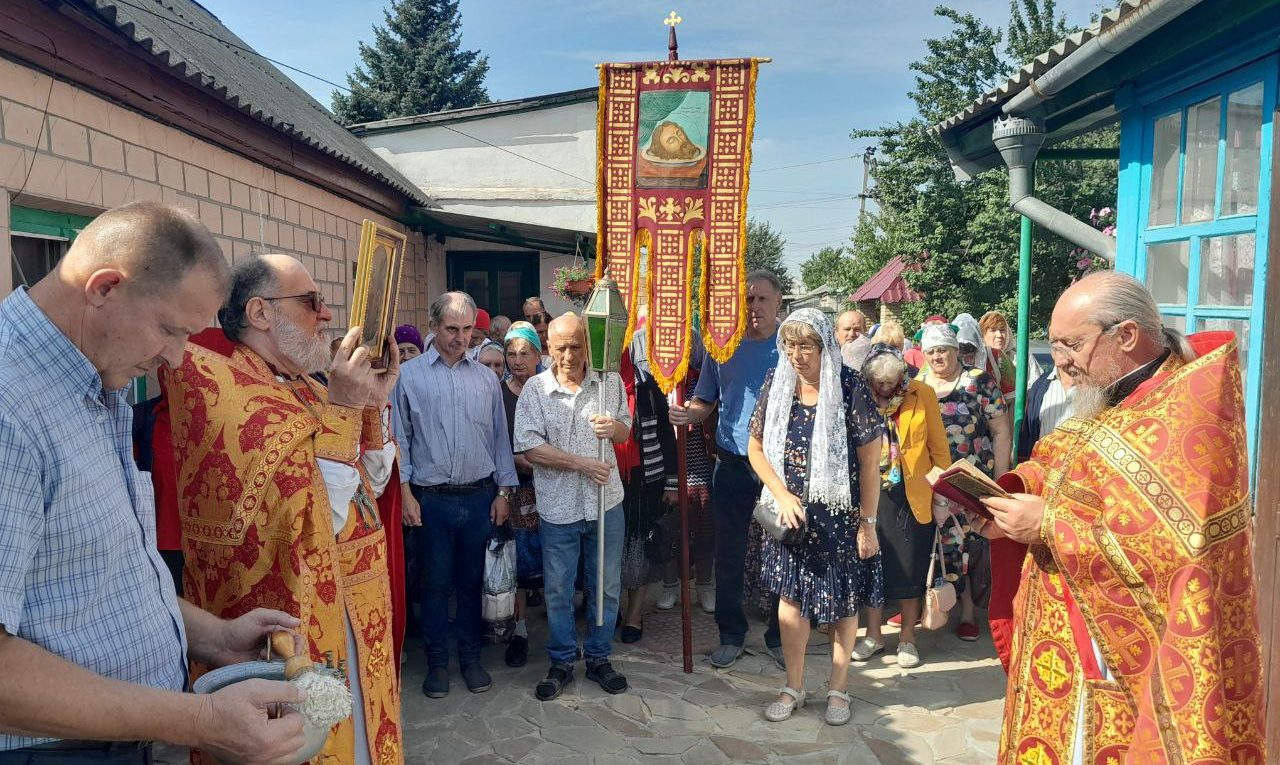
pixel 673 48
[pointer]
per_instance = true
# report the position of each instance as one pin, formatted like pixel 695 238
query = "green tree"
pixel 416 65
pixel 764 250
pixel 963 236
pixel 821 267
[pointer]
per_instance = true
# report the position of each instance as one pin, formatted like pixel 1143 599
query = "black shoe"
pixel 603 673
pixel 533 598
pixel 436 686
pixel 557 678
pixel 517 651
pixel 632 634
pixel 477 680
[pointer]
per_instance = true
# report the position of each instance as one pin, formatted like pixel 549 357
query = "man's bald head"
pixel 565 325
pixel 567 344
pixel 154 245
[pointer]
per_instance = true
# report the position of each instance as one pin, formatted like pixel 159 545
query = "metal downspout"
pixel 1019 140
pixel 1097 51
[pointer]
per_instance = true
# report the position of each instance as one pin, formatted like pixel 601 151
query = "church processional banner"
pixel 674 141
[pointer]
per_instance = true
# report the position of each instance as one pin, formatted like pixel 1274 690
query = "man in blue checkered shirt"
pixel 93 641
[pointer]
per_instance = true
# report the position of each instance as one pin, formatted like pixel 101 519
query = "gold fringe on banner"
pixel 601 244
pixel 696 241
pixel 633 300
pixel 723 354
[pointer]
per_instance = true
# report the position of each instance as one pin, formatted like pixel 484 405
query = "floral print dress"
pixel 967 412
pixel 823 573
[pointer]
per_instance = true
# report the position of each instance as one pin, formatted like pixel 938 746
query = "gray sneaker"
pixel 725 656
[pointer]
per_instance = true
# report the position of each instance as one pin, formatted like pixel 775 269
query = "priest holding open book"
pixel 1136 633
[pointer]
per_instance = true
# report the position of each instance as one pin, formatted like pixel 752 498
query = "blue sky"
pixel 838 65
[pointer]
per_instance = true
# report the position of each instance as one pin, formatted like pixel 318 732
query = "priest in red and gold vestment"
pixel 1136 636
pixel 278 478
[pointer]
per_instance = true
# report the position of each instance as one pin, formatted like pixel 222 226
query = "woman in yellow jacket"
pixel 914 442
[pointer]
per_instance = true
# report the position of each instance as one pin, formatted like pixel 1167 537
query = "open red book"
pixel 965 485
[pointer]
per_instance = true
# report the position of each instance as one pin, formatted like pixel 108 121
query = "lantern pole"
pixel 600 510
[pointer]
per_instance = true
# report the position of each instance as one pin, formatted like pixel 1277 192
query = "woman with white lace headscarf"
pixel 815 443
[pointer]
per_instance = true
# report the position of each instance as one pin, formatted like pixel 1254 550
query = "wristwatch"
pixel 869 521
pixel 505 493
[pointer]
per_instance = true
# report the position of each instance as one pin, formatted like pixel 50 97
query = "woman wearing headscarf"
pixel 996 335
pixel 409 339
pixel 914 442
pixel 815 443
pixel 524 350
pixel 978 430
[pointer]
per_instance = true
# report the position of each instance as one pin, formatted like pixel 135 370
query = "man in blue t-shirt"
pixel 735 487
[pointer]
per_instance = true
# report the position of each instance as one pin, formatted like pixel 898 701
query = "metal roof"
pixel 194 45
pixel 990 101
pixel 887 286
pixel 481 111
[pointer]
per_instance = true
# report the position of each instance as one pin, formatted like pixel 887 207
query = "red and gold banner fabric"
pixel 257 530
pixel 675 148
pixel 1147 557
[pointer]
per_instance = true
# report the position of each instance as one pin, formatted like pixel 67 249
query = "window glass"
pixel 1238 326
pixel 1200 167
pixel 1164 170
pixel 1244 151
pixel 1226 270
pixel 1168 264
pixel 34 257
pixel 1174 322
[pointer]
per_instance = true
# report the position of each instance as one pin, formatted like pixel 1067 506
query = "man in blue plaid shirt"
pixel 93 641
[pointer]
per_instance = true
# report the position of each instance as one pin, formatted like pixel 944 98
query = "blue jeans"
pixel 735 488
pixel 451 543
pixel 563 545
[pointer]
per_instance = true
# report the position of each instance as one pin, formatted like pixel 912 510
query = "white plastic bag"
pixel 499 600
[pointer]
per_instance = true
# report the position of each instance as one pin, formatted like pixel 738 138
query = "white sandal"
pixel 839 715
pixel 781 710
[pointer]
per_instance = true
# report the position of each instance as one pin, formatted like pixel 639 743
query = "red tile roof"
pixel 887 286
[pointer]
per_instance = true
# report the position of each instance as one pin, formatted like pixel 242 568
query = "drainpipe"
pixel 1019 140
pixel 1097 51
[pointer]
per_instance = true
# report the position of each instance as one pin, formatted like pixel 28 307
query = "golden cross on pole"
pixel 673 48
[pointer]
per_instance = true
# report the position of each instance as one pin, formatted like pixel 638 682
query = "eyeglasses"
pixel 800 349
pixel 1062 350
pixel 314 299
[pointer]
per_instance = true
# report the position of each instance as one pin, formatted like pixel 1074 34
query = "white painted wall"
pixel 465 176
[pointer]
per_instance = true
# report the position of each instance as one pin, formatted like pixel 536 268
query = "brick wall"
pixel 91 154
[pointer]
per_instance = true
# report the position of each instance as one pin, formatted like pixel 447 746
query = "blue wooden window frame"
pixel 1137 149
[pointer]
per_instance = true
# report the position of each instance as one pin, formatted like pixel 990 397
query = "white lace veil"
pixel 829 445
pixel 968 331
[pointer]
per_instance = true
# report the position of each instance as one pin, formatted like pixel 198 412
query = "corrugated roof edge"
pixel 116 14
pixel 1038 66
pixel 479 111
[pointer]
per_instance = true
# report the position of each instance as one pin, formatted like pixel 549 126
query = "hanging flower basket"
pixel 574 283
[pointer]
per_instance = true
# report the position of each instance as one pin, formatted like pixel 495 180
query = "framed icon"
pixel 373 306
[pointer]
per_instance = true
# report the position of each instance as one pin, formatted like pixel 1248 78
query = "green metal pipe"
pixel 1024 329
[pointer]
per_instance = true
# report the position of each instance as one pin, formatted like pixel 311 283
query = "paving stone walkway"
pixel 945 712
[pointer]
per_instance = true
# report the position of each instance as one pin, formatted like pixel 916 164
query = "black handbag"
pixel 766 514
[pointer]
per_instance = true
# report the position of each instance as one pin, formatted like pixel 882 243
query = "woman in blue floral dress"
pixel 815 443
pixel 978 430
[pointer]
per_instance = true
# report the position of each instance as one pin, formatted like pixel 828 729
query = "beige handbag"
pixel 939 594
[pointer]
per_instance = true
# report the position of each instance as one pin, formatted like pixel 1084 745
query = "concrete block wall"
pixel 90 154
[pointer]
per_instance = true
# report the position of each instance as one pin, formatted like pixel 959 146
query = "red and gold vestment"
pixel 258 530
pixel 1146 554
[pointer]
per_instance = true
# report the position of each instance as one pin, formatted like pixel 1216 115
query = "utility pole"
pixel 868 170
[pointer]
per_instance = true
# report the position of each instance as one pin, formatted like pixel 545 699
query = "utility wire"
pixel 803 164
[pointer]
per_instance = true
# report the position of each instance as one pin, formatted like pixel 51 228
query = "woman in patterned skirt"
pixel 978 429
pixel 815 443
pixel 524 350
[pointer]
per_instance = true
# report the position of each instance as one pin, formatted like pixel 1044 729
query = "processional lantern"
pixel 606 318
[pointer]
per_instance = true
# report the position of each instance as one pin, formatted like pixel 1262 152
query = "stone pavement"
pixel 946 711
